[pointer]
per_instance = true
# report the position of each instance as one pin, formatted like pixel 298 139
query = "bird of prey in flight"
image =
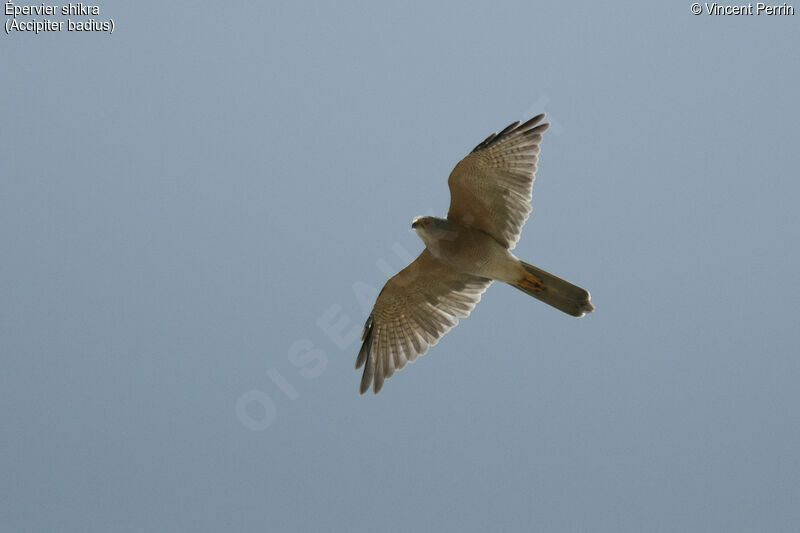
pixel 490 194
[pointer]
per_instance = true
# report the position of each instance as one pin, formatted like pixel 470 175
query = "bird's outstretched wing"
pixel 413 311
pixel 490 189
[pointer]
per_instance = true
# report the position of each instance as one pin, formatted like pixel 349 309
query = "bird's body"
pixel 490 193
pixel 468 250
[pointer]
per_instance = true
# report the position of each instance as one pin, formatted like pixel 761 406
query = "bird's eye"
pixel 427 223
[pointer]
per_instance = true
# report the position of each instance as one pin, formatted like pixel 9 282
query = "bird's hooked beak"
pixel 414 223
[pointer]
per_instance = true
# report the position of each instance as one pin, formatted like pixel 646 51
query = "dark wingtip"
pixel 484 142
pixel 529 126
pixel 364 356
pixel 366 337
pixel 532 121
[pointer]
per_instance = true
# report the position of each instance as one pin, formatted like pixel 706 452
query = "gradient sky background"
pixel 188 204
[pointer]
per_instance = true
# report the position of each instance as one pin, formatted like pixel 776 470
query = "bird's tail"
pixel 554 291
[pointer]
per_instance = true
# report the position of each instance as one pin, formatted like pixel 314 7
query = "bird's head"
pixel 421 223
pixel 431 228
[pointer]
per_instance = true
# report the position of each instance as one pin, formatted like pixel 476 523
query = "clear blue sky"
pixel 196 210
